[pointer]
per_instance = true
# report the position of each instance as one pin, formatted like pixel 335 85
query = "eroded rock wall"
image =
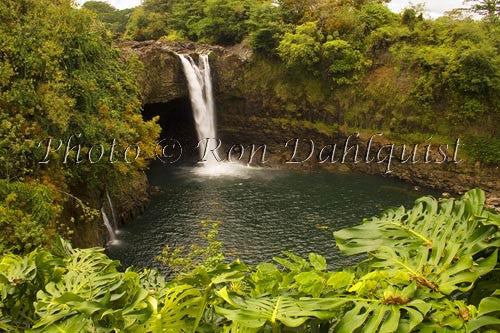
pixel 249 110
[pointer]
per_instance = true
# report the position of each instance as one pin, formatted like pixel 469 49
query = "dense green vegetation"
pixel 59 76
pixel 433 268
pixel 421 274
pixel 355 63
pixel 114 19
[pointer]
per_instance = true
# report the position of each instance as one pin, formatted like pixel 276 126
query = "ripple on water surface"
pixel 263 212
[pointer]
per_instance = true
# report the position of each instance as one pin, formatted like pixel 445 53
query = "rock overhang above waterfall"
pixel 162 80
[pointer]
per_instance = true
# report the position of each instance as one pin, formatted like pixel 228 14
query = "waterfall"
pixel 111 232
pixel 113 214
pixel 199 81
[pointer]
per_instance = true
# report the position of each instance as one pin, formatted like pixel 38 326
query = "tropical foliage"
pixel 26 212
pixel 422 267
pixel 433 268
pixel 115 20
pixel 355 63
pixel 60 79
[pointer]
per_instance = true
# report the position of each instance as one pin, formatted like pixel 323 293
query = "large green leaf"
pixel 73 324
pixel 16 270
pixel 181 307
pixel 375 316
pixel 93 290
pixel 488 314
pixel 446 273
pixel 256 312
pixel 441 244
pixel 429 223
pixel 20 279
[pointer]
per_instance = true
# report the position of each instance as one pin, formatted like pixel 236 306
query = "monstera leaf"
pixel 89 260
pixel 441 244
pixel 429 224
pixel 382 303
pixel 445 273
pixel 98 297
pixel 254 313
pixel 74 324
pixel 396 313
pixel 17 270
pixel 488 314
pixel 83 260
pixel 375 316
pixel 20 279
pixel 181 306
pixel 93 290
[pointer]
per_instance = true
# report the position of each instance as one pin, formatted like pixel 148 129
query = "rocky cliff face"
pixel 128 202
pixel 162 79
pixel 251 110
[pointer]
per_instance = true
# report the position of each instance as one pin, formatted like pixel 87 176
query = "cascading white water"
pixel 113 214
pixel 199 81
pixel 111 232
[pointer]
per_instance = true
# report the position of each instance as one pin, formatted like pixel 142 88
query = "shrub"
pixel 345 64
pixel 27 210
pixel 302 48
pixel 484 149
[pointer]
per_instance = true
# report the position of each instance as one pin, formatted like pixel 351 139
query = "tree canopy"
pixel 60 77
pixel 445 70
pixel 490 9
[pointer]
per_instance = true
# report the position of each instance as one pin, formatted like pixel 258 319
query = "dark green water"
pixel 263 212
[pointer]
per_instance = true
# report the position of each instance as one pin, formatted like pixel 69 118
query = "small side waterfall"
pixel 199 81
pixel 111 232
pixel 113 214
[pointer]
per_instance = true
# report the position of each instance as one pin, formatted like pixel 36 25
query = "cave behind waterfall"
pixel 176 121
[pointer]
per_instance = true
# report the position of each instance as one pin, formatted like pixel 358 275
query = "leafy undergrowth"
pixel 429 269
